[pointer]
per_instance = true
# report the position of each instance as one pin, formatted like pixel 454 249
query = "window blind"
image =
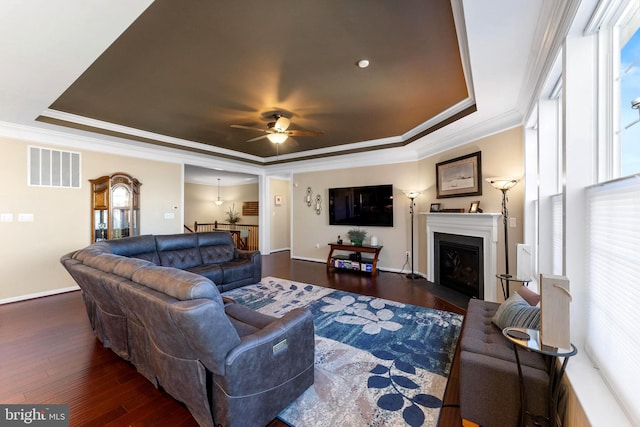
pixel 613 254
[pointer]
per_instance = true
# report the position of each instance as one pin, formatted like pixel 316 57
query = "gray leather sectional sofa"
pixel 152 301
pixel 489 384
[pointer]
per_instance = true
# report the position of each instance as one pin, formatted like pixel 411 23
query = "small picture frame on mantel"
pixel 474 207
pixel 435 207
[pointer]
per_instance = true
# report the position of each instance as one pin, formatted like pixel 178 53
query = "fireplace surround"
pixel 482 225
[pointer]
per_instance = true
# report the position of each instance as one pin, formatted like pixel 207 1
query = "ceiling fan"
pixel 278 130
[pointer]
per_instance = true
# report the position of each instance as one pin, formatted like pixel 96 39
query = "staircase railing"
pixel 245 236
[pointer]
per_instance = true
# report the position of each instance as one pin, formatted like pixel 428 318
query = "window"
pixel 629 92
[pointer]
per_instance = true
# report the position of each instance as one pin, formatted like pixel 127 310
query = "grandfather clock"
pixel 115 207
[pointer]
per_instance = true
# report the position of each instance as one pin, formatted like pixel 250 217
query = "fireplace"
pixel 459 263
pixel 480 225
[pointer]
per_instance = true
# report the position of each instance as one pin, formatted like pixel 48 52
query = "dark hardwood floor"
pixel 48 353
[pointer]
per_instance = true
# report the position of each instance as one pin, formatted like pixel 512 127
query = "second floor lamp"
pixel 504 185
pixel 412 196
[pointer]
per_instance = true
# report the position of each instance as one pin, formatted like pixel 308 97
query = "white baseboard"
pixel 39 295
pixel 273 251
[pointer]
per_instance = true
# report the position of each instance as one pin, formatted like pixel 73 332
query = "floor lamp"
pixel 504 185
pixel 412 195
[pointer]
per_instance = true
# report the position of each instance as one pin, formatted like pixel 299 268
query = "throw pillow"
pixel 517 312
pixel 529 296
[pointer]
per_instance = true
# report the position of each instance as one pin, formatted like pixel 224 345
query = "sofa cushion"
pixel 178 251
pixel 142 247
pixel 480 335
pixel 178 284
pixel 216 247
pixel 103 262
pixel 212 272
pixel 234 271
pixel 529 296
pixel 515 311
pixel 128 266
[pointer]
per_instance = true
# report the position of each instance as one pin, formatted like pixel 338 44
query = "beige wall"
pixel 312 232
pixel 30 251
pixel 502 154
pixel 280 214
pixel 199 202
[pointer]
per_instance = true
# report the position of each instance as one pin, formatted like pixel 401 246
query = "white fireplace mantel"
pixel 483 225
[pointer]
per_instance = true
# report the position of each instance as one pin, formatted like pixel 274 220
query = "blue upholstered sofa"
pixel 155 301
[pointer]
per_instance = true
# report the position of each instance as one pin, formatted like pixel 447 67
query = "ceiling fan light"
pixel 282 124
pixel 277 138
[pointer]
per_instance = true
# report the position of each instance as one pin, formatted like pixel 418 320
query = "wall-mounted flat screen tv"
pixel 363 206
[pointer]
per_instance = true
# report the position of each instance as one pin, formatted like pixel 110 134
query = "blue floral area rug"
pixel 378 362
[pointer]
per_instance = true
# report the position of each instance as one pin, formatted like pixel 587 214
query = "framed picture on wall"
pixel 277 200
pixel 460 176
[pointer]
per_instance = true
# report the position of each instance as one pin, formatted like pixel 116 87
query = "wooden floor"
pixel 48 353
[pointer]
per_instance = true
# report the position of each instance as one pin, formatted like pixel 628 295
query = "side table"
pixel 529 339
pixel 505 282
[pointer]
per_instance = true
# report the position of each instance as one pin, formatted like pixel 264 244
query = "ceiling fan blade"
pixel 247 127
pixel 302 132
pixel 256 138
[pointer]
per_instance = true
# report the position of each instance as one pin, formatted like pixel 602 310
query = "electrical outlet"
pixel 408 254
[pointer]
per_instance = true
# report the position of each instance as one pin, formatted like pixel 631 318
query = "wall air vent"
pixel 53 168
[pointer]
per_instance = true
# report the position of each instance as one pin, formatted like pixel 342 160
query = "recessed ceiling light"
pixel 363 63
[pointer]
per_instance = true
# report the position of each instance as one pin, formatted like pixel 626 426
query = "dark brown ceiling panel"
pixel 190 70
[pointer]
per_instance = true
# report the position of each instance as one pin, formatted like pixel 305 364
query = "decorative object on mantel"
pixel 318 206
pixel 435 207
pixel 473 208
pixel 453 210
pixel 232 215
pixel 357 236
pixel 309 197
pixel 460 176
pixel 412 196
pixel 504 185
pixel 218 201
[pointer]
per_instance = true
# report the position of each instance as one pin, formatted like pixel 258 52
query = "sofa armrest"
pixel 489 389
pixel 255 258
pixel 244 254
pixel 279 352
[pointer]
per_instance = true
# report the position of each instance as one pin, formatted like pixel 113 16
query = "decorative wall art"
pixel 459 177
pixel 277 200
pixel 249 208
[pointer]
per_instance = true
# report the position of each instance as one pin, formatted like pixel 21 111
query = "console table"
pixel 373 262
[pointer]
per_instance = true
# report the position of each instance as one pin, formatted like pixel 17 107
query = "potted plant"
pixel 233 216
pixel 357 236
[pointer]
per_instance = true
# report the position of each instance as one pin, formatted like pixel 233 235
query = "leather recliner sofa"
pixel 228 364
